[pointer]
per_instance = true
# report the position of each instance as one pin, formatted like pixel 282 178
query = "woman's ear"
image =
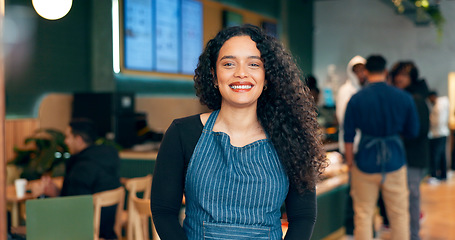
pixel 212 71
pixel 214 79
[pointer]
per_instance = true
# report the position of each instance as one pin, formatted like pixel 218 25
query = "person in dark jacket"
pixel 405 75
pixel 90 169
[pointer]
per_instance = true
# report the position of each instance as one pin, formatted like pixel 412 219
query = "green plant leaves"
pixel 39 157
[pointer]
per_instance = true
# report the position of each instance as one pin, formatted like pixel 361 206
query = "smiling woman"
pixel 258 148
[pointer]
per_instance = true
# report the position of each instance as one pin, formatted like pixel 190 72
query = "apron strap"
pixel 211 121
pixel 383 152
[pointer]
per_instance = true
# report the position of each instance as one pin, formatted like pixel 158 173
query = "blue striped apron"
pixel 233 192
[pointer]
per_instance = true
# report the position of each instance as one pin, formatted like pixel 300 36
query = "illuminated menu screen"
pixel 167 35
pixel 191 35
pixel 162 35
pixel 138 35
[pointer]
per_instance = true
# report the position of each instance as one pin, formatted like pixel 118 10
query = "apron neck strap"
pixel 211 121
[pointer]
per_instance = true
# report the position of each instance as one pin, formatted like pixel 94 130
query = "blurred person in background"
pixel 384 115
pixel 355 81
pixel 439 130
pixel 312 84
pixel 405 75
pixel 90 169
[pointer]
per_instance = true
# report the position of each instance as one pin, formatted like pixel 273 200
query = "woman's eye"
pixel 255 65
pixel 228 64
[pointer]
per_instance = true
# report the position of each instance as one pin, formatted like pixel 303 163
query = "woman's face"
pixel 240 72
pixel 402 80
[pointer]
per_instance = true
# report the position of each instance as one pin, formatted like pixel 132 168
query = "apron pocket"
pixel 237 232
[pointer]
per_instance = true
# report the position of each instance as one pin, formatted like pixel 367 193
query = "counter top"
pixel 129 154
pixel 331 183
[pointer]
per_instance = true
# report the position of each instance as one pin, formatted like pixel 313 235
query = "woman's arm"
pixel 301 211
pixel 167 186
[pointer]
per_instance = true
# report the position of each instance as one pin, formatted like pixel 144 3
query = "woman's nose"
pixel 241 72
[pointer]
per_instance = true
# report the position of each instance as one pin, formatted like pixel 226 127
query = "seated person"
pixel 90 169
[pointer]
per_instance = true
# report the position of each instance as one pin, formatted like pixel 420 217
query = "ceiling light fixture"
pixel 52 9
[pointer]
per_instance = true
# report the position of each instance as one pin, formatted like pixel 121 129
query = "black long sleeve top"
pixel 169 180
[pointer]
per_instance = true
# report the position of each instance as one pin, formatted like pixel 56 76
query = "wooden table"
pixel 12 198
pixel 15 202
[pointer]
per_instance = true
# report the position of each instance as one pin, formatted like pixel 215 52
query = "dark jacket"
pixel 95 169
pixel 417 149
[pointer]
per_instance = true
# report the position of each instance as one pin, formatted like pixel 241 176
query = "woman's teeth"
pixel 241 86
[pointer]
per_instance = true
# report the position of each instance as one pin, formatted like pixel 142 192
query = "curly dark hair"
pixel 407 67
pixel 286 110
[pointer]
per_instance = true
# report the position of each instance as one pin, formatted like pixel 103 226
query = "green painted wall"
pixel 59 60
pixel 300 32
pixel 74 53
pixel 152 86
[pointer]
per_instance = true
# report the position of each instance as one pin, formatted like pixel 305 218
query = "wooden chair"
pixel 106 199
pixel 141 207
pixel 134 186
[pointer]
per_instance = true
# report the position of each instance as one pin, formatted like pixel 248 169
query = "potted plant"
pixel 45 153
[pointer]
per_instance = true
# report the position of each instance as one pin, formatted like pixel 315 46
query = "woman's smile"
pixel 241 87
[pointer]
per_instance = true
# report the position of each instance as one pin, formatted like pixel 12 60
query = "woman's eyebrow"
pixel 234 57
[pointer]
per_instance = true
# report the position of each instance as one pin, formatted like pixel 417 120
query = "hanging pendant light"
pixel 52 9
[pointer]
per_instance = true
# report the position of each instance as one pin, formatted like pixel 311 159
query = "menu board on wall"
pixel 162 35
pixel 138 35
pixel 191 34
pixel 167 35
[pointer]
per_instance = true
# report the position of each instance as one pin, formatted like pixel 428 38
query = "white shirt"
pixel 439 118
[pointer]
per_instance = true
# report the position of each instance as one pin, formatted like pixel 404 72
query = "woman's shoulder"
pixel 185 132
pixel 193 120
pixel 186 126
